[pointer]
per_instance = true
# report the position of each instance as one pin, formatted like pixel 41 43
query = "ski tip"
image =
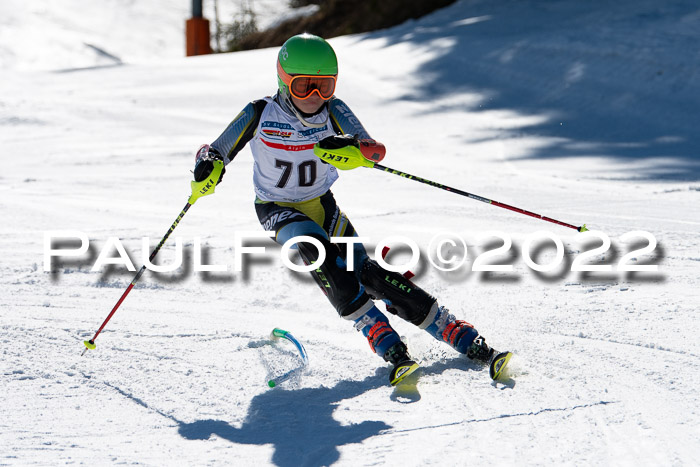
pixel 401 371
pixel 499 364
pixel 583 228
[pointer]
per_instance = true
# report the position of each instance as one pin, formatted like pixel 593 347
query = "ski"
pixel 401 371
pixel 498 364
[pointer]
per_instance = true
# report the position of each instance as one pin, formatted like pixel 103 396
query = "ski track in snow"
pixel 583 116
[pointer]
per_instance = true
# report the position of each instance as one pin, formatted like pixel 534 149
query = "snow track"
pixel 578 113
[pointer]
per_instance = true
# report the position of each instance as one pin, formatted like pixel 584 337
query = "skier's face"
pixel 309 105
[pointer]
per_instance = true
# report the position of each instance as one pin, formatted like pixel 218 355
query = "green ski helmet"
pixel 305 54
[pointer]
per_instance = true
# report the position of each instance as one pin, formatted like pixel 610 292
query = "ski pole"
pixel 582 228
pixel 348 157
pixel 199 189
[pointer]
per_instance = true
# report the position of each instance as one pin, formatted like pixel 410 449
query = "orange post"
pixel 197 34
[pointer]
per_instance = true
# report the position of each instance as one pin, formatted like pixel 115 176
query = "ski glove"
pixel 371 150
pixel 339 141
pixel 205 164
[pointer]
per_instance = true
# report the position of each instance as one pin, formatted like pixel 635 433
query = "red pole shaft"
pixel 141 271
pixel 532 214
pixel 126 292
pixel 477 197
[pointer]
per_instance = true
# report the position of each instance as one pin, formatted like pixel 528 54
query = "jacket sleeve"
pixel 239 131
pixel 344 120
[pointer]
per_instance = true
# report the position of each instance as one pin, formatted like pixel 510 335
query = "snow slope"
pixel 584 114
pixel 70 34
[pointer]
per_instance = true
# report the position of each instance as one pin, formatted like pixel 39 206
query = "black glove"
pixel 205 164
pixel 338 141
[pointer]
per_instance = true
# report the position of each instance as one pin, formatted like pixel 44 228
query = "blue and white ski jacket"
pixel 286 168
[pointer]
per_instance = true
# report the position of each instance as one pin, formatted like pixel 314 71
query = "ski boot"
pixel 398 356
pixel 385 342
pixel 462 337
pixel 444 327
pixel 497 361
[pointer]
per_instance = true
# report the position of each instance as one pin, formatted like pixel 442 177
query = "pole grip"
pixel 208 185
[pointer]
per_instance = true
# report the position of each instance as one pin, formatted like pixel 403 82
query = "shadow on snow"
pixel 607 80
pixel 299 423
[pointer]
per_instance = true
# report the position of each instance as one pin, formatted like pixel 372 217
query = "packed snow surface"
pixel 586 113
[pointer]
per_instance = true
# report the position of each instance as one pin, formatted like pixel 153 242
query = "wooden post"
pixel 197 32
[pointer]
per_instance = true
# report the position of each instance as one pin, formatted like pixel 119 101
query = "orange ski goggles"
pixel 303 86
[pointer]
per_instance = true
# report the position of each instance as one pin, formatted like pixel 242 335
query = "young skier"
pixel 293 198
